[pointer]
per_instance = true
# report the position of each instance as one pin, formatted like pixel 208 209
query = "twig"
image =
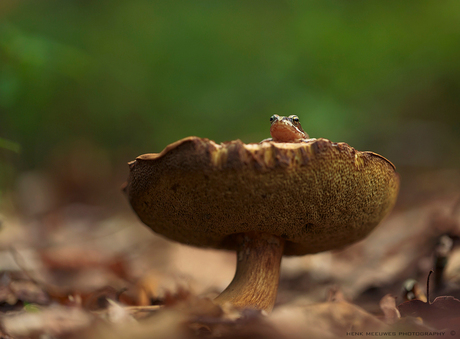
pixel 428 287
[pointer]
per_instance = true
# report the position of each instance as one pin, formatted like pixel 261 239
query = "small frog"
pixel 286 129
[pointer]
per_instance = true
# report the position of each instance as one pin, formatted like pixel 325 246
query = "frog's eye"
pixel 274 118
pixel 295 119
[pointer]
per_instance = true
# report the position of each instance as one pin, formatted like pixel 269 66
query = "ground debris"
pixel 84 287
pixel 54 320
pixel 16 290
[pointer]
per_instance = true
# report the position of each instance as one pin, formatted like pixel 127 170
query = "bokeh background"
pixel 114 79
pixel 86 86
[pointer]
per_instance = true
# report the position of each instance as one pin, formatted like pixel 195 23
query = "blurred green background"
pixel 115 79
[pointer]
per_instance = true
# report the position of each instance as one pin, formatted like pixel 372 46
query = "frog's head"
pixel 286 129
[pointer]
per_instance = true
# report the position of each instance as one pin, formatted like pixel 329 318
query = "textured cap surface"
pixel 317 195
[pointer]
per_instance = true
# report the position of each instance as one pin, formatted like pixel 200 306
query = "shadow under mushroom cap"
pixel 317 196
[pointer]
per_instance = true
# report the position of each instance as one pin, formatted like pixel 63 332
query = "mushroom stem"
pixel 257 272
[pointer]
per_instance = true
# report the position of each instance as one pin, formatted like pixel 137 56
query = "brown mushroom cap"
pixel 317 195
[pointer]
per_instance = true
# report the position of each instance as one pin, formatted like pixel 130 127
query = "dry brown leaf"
pixel 443 312
pixel 390 311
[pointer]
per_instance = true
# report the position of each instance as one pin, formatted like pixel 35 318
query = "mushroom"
pixel 263 200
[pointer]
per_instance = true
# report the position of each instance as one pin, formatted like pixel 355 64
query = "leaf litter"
pixel 70 276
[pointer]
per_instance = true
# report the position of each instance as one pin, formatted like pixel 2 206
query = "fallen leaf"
pixel 389 309
pixel 443 312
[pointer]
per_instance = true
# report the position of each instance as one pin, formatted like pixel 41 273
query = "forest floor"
pixel 80 271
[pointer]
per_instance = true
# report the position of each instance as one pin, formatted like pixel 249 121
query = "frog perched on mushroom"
pixel 286 129
pixel 286 196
